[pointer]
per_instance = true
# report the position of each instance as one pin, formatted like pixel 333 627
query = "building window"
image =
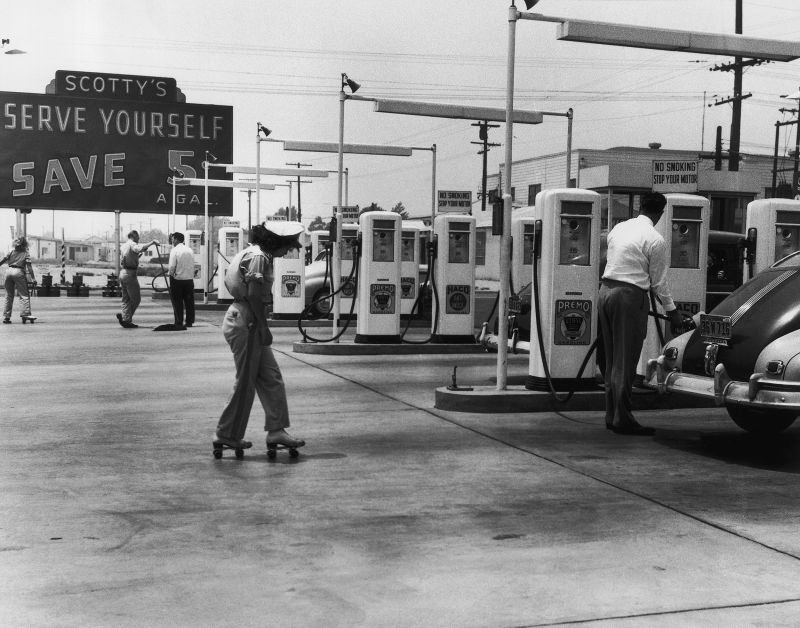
pixel 533 190
pixel 513 193
pixel 480 248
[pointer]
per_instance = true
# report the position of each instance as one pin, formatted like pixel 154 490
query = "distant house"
pixel 42 247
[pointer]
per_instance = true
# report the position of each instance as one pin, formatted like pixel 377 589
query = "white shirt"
pixel 637 254
pixel 181 262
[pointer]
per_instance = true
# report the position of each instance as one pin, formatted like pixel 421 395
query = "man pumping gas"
pixel 249 280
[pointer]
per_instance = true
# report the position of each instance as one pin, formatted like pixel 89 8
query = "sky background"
pixel 279 63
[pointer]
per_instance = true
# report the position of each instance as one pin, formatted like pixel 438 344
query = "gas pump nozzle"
pixel 537 239
pixel 749 244
pixel 332 230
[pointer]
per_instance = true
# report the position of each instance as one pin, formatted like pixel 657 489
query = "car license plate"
pixel 716 329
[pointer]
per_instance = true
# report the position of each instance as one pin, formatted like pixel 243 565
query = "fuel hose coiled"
pixel 353 276
pixel 429 278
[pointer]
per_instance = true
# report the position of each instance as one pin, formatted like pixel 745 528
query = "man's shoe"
pixel 128 325
pixel 282 438
pixel 189 324
pixel 119 318
pixel 633 430
pixel 6 321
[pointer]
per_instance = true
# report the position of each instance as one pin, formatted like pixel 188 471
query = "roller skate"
pixel 281 440
pixel 238 446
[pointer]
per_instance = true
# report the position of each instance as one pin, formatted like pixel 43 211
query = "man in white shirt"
pixel 636 263
pixel 181 273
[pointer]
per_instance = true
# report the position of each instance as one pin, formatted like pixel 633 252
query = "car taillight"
pixel 775 367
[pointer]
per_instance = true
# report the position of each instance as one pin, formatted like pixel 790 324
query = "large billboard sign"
pixel 111 150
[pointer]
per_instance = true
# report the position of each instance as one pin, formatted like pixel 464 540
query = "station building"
pixel 621 175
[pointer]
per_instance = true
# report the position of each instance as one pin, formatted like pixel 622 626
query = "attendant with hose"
pixel 637 262
pixel 249 280
pixel 130 253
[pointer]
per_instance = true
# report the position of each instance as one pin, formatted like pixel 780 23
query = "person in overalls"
pixel 19 271
pixel 130 252
pixel 249 280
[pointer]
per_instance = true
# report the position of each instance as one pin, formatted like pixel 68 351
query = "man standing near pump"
pixel 637 262
pixel 181 285
pixel 130 252
pixel 249 280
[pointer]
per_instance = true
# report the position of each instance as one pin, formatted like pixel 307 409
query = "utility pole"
pixel 483 134
pixel 736 114
pixel 299 207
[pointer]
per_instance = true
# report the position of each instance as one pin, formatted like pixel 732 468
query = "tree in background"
pixel 318 224
pixel 372 207
pixel 401 209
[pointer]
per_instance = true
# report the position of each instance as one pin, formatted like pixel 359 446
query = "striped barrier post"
pixel 63 261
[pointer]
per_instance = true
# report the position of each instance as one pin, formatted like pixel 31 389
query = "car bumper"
pixel 759 392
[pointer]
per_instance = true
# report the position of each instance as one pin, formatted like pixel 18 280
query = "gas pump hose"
pixel 163 274
pixel 352 276
pixel 429 278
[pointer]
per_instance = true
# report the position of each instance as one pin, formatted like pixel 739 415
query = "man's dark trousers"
pixel 182 295
pixel 622 312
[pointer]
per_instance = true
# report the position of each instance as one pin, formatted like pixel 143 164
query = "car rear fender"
pixel 780 359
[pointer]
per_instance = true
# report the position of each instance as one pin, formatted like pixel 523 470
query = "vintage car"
pixel 744 354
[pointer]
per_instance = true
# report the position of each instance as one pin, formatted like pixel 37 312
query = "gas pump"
pixel 565 281
pixel 379 278
pixel 409 269
pixel 348 259
pixel 773 231
pixel 523 231
pixel 231 241
pixel 684 227
pixel 289 274
pixel 194 240
pixel 454 279
pixel 319 240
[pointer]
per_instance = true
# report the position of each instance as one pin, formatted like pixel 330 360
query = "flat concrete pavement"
pixel 115 513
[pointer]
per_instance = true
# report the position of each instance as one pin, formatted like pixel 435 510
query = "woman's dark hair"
pixel 20 243
pixel 269 241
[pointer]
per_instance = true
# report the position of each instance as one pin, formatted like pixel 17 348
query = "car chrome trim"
pixel 710 359
pixel 744 307
pixel 758 392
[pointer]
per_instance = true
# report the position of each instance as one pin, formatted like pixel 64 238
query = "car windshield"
pixel 790 261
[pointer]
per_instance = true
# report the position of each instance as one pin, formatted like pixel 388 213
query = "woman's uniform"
pixel 256 368
pixel 17 282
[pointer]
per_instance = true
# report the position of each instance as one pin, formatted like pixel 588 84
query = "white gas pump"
pixel 684 227
pixel 348 259
pixel 319 239
pixel 773 231
pixel 289 275
pixel 194 240
pixel 409 269
pixel 566 284
pixel 454 279
pixel 379 278
pixel 230 242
